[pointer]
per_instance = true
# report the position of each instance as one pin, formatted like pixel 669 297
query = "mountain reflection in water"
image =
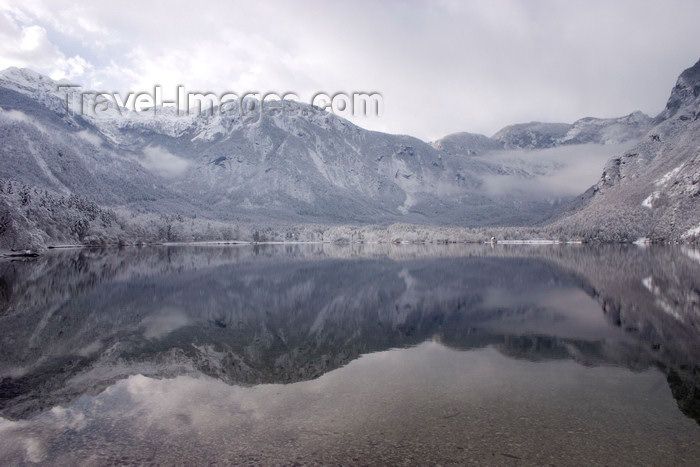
pixel 135 350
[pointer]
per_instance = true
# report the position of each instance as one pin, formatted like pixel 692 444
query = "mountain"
pixel 538 135
pixel 467 144
pixel 651 191
pixel 44 146
pixel 300 165
pixel 532 135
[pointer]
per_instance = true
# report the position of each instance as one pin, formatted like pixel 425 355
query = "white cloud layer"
pixel 161 162
pixel 576 167
pixel 442 66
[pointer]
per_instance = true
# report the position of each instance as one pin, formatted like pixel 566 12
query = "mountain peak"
pixel 684 93
pixel 24 76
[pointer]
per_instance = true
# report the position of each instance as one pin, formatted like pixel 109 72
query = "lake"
pixel 352 355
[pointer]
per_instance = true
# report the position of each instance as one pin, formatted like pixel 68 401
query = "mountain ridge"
pixel 303 165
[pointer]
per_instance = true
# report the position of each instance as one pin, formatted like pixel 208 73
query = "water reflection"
pixel 89 331
pixel 421 406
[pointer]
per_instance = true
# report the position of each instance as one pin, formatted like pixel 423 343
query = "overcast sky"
pixel 441 66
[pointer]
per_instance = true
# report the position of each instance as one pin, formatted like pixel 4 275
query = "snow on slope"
pixel 302 165
pixel 653 189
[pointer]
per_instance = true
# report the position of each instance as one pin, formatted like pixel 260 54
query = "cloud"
pixel 576 168
pixel 16 115
pixel 161 162
pixel 90 137
pixel 29 46
pixel 442 66
pixel 163 322
pixel 19 116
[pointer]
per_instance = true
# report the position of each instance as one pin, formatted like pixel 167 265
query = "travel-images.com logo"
pixel 250 105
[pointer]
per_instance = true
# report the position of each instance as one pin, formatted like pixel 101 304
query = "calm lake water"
pixel 351 355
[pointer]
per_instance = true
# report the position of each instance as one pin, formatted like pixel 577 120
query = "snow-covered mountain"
pixel 302 165
pixel 538 135
pixel 45 146
pixel 652 190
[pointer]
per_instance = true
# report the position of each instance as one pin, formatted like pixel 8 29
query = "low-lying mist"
pixel 549 173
